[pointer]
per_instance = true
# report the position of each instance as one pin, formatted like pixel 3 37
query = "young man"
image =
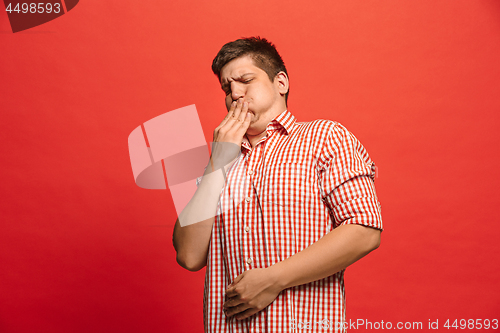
pixel 294 206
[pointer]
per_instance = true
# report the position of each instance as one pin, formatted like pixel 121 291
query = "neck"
pixel 253 139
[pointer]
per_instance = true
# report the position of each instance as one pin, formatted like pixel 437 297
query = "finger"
pixel 232 303
pixel 245 314
pixel 232 108
pixel 231 292
pixel 232 115
pixel 243 113
pixel 237 310
pixel 235 281
pixel 229 114
pixel 238 279
pixel 237 110
pixel 245 124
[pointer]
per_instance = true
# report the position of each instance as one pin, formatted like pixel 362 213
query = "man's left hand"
pixel 251 292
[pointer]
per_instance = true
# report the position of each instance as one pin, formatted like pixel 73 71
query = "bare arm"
pixel 335 251
pixel 338 249
pixel 193 228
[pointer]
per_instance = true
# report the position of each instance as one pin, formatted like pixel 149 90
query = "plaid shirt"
pixel 297 184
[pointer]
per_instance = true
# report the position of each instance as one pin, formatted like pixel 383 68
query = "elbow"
pixel 190 265
pixel 373 239
pixel 368 239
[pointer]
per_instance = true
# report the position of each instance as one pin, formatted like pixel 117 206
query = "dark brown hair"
pixel 263 53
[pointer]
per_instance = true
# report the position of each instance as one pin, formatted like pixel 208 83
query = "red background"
pixel 83 249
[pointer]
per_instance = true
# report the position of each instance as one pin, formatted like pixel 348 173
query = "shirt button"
pixel 247 229
pixel 249 260
pixel 247 199
pixel 250 172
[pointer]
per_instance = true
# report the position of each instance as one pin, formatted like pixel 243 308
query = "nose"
pixel 237 91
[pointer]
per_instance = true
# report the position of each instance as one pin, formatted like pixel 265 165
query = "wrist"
pixel 223 154
pixel 278 276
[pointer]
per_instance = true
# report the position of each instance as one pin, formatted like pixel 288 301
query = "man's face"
pixel 240 78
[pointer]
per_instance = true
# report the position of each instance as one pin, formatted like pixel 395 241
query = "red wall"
pixel 83 249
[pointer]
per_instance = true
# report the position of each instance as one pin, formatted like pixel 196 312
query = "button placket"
pixel 249 200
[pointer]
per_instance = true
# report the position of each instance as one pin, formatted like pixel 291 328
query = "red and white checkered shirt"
pixel 297 184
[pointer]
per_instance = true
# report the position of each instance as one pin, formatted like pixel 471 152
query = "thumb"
pixel 235 281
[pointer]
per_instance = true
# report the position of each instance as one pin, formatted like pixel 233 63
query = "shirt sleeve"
pixel 346 180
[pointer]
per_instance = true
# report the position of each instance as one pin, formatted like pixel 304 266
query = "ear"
pixel 281 81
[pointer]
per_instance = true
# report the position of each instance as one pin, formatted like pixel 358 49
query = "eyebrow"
pixel 225 84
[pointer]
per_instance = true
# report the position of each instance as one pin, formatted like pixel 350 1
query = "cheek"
pixel 264 93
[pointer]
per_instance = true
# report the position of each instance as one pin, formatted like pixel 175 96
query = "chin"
pixel 255 129
pixel 252 130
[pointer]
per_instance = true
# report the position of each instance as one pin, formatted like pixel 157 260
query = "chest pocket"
pixel 289 184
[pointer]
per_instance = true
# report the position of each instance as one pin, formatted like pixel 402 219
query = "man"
pixel 283 214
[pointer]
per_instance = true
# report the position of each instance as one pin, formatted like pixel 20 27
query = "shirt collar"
pixel 284 120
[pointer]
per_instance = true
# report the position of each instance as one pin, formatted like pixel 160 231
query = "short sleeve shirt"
pixel 296 185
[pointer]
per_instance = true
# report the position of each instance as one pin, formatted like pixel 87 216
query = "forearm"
pixel 193 228
pixel 203 204
pixel 335 251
